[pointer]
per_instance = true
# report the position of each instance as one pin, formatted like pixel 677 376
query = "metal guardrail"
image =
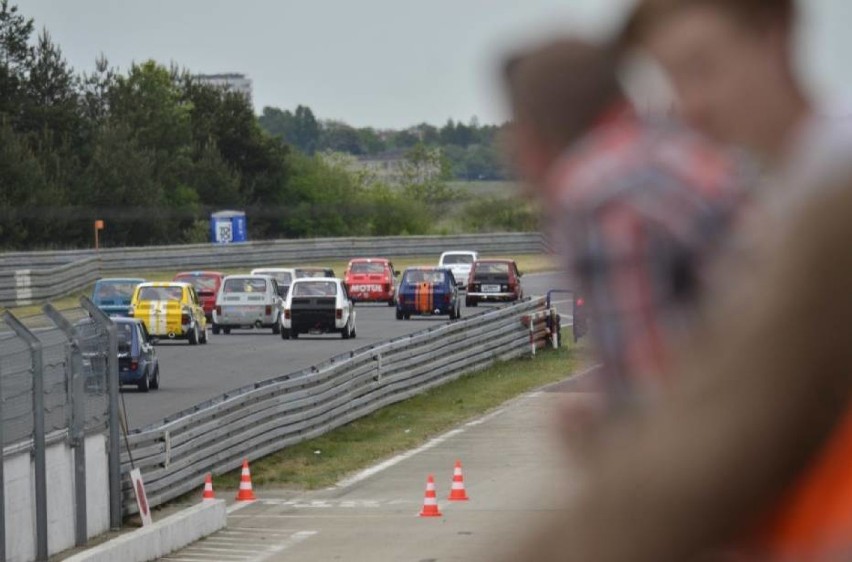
pixel 31 277
pixel 265 417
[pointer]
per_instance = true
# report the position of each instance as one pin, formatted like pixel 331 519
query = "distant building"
pixel 232 82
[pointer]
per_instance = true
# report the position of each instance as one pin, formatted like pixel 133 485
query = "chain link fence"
pixel 58 386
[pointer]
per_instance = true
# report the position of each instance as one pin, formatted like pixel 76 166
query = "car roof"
pixel 315 279
pixel 460 252
pixel 495 260
pixel 370 260
pixel 427 268
pixel 165 284
pixel 247 276
pixel 121 280
pixel 200 273
pixel 273 269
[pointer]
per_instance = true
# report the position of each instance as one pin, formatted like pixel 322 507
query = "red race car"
pixel 371 280
pixel 206 284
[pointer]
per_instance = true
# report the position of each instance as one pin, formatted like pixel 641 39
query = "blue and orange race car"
pixel 427 291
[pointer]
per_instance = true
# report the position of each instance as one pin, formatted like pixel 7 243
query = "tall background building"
pixel 230 81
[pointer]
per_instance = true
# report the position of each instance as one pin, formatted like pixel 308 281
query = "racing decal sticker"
pixel 423 298
pixel 366 289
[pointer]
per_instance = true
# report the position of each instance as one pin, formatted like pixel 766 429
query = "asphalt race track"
pixel 190 375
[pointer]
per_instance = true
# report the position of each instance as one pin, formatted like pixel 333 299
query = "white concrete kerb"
pixel 161 538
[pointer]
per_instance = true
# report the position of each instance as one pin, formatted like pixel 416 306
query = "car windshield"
pixel 245 285
pixel 120 291
pixel 363 267
pixel 283 277
pixel 315 289
pixel 202 283
pixel 160 294
pixel 415 276
pixel 457 259
pixel 125 336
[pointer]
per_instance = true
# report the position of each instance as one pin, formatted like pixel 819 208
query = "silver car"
pixel 247 301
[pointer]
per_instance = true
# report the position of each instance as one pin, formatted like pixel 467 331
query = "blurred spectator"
pixel 637 206
pixel 732 64
pixel 753 409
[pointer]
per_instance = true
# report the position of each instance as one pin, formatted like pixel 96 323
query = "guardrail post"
pixel 38 430
pixel 112 387
pixel 77 428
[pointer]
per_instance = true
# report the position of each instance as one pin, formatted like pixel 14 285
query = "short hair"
pixel 562 87
pixel 752 13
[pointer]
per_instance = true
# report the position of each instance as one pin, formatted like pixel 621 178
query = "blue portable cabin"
pixel 227 227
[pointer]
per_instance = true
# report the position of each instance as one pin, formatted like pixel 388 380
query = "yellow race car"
pixel 170 310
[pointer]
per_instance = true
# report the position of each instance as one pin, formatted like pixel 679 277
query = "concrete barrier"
pixel 161 538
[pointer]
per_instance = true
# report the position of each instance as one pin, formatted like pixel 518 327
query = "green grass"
pixel 323 461
pixel 531 263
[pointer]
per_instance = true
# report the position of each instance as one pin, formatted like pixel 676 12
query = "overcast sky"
pixel 383 63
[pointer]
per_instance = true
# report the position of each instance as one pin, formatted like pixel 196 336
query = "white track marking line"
pixel 238 506
pixel 297 538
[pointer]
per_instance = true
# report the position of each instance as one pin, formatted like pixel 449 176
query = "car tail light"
pixel 400 299
pixel 184 319
pixel 447 298
pixel 219 310
pixel 268 310
pixel 130 313
pixel 134 365
pixel 339 314
pixel 581 302
pixel 287 313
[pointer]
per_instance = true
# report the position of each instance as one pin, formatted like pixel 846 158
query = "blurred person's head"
pixel 558 92
pixel 731 63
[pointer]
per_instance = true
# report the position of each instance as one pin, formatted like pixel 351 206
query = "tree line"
pixel 152 151
pixel 472 151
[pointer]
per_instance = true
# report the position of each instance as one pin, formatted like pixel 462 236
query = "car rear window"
pixel 457 259
pixel 245 285
pixel 114 290
pixel 492 268
pixel 160 294
pixel 416 276
pixel 306 273
pixel 367 268
pixel 315 289
pixel 125 336
pixel 282 277
pixel 206 283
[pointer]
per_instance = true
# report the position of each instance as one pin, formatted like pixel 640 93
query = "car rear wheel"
pixel 285 334
pixel 470 302
pixel 399 315
pixel 144 383
pixel 346 333
pixel 276 328
pixel 193 335
pixel 155 382
pixel 294 335
pixel 216 329
pixel 204 336
pixel 227 331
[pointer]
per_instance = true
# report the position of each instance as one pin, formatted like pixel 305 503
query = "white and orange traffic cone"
pixel 245 493
pixel 457 492
pixel 430 501
pixel 208 488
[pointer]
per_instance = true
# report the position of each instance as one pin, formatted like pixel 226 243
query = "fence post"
pixel 112 387
pixel 2 477
pixel 38 430
pixel 77 427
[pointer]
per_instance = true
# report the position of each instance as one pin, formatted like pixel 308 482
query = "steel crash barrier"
pixel 260 419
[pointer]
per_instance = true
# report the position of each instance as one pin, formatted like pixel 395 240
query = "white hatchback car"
pixel 318 305
pixel 459 263
pixel 247 301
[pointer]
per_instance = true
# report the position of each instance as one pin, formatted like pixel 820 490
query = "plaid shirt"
pixel 643 207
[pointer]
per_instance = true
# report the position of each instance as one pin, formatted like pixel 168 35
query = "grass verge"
pixel 323 461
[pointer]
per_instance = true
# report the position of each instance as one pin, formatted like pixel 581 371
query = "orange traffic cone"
pixel 457 492
pixel 208 488
pixel 245 494
pixel 430 502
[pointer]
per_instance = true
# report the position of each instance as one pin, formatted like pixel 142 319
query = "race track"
pixel 190 375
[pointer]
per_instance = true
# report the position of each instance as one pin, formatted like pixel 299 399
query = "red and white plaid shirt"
pixel 644 206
